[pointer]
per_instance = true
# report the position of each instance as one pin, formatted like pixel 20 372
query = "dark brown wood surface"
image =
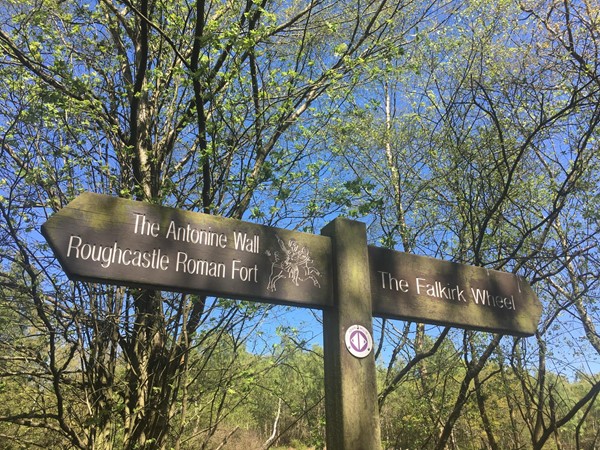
pixel 352 413
pixel 428 290
pixel 112 240
pixel 105 239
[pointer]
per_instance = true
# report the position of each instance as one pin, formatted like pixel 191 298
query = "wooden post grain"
pixel 352 414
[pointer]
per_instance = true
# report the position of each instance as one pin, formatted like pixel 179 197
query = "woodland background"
pixel 462 130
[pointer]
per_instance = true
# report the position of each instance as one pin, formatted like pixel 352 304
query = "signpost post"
pixel 105 239
pixel 351 410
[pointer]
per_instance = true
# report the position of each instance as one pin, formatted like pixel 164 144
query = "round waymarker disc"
pixel 358 341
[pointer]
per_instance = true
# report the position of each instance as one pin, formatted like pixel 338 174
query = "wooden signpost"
pixel 421 289
pixel 113 240
pixel 105 239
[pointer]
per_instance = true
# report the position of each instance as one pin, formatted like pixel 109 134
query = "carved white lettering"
pixel 109 255
pixel 244 273
pixel 197 236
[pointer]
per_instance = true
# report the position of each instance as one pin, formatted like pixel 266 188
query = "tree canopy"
pixel 466 131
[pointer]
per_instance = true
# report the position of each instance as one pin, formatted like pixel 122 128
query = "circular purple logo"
pixel 358 341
